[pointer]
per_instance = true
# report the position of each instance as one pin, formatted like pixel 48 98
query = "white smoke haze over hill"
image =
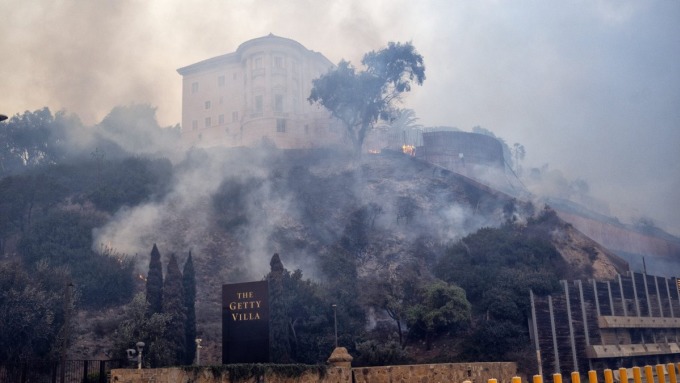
pixel 590 87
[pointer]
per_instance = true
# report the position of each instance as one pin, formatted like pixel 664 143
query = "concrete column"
pixel 571 326
pixel 554 333
pixel 637 304
pixel 670 300
pixel 623 297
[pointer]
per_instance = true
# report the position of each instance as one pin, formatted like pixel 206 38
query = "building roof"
pixel 236 56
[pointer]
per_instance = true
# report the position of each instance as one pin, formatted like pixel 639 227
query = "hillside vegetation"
pixel 422 263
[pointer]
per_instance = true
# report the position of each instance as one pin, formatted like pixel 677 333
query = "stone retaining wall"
pixel 434 373
pixel 426 373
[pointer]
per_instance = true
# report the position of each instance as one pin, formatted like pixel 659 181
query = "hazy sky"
pixel 590 87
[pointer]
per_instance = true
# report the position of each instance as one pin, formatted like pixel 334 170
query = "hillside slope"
pixel 384 211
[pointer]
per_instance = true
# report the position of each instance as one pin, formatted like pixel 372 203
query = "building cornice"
pixel 235 57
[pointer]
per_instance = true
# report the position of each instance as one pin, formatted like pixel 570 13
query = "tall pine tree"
pixel 154 283
pixel 279 343
pixel 173 305
pixel 189 285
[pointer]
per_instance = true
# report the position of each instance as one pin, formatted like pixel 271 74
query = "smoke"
pixel 590 87
pixel 234 208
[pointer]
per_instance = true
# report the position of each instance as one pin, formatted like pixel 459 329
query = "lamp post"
pixel 198 351
pixel 67 325
pixel 335 322
pixel 140 347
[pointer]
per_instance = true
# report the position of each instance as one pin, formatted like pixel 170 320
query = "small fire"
pixel 409 149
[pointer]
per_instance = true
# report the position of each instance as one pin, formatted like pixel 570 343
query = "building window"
pixel 280 125
pixel 235 76
pixel 200 136
pixel 234 116
pixel 220 118
pixel 278 103
pixel 207 104
pixel 258 67
pixel 279 65
pixel 294 70
pixel 258 104
pixel 220 81
pixel 306 129
pixel 194 87
pixel 207 122
pixel 194 124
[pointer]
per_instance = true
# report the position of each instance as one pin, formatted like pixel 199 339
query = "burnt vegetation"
pixel 422 264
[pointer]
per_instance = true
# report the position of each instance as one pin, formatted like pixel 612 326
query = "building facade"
pixel 632 320
pixel 456 150
pixel 256 95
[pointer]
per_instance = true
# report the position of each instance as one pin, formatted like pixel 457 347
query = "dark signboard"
pixel 245 322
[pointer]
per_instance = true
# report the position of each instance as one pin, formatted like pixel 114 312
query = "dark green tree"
pixel 31 311
pixel 64 238
pixel 395 293
pixel 154 283
pixel 189 285
pixel 360 98
pixel 139 326
pixel 279 342
pixel 339 268
pixel 134 127
pixel 28 140
pixel 300 314
pixel 497 267
pixel 442 307
pixel 173 305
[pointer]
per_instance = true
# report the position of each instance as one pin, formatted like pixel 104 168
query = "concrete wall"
pixel 431 373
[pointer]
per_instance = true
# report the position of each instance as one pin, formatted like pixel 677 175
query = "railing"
pixel 73 371
pixel 656 374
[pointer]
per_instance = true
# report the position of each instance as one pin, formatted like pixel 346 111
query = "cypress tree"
pixel 173 305
pixel 189 285
pixel 154 283
pixel 279 344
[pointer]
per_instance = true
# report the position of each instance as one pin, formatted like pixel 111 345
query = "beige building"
pixel 256 95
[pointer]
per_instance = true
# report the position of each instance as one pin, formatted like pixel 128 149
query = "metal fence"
pixel 73 371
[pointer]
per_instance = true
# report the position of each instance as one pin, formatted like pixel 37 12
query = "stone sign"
pixel 245 322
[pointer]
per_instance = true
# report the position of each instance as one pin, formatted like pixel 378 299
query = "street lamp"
pixel 198 351
pixel 335 322
pixel 68 305
pixel 140 347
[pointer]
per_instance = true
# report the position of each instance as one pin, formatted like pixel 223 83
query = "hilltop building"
pixel 256 95
pixel 454 150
